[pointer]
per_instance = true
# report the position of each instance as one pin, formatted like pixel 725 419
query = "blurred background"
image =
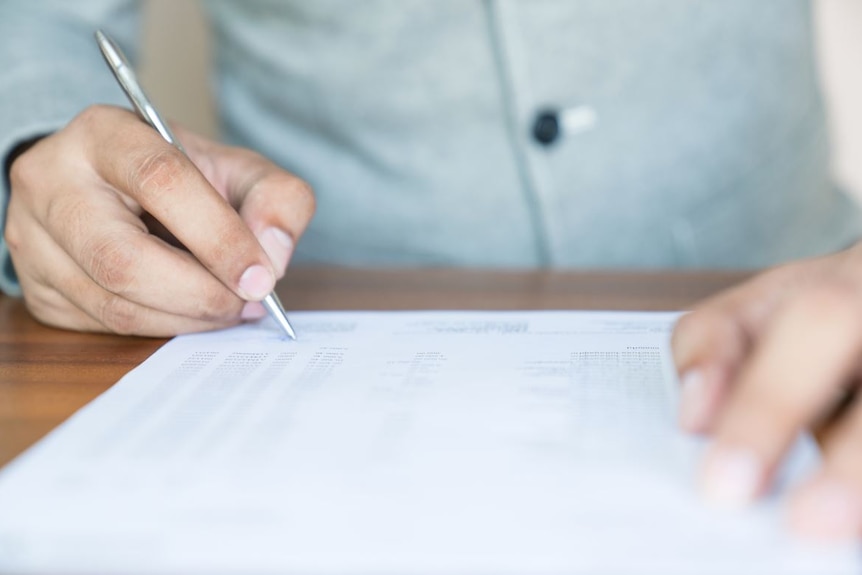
pixel 179 85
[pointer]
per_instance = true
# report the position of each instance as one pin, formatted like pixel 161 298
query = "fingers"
pixel 829 506
pixel 132 157
pixel 761 363
pixel 86 258
pixel 276 205
pixel 50 307
pixel 802 359
pixel 68 298
pixel 119 256
pixel 278 208
pixel 710 344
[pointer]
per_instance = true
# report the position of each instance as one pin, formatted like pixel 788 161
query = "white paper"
pixel 392 443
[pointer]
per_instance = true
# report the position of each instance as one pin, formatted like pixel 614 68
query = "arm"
pixel 96 207
pixel 51 70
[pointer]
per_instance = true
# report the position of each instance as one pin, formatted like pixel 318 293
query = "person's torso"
pixel 413 120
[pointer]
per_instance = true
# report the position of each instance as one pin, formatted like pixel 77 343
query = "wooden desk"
pixel 46 374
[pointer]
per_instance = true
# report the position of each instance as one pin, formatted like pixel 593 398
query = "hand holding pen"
pixel 83 253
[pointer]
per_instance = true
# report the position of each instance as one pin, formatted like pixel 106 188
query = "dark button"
pixel 546 128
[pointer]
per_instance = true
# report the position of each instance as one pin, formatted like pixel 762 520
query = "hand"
pixel 762 362
pixel 77 228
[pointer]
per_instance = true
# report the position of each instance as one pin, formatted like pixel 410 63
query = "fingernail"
pixel 278 246
pixel 828 509
pixel 253 310
pixel 732 477
pixel 256 282
pixel 693 400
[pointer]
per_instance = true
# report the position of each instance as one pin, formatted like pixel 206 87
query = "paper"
pixel 392 443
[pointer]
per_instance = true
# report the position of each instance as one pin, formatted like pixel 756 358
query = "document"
pixel 394 443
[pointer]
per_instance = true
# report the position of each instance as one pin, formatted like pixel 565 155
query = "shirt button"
pixel 546 127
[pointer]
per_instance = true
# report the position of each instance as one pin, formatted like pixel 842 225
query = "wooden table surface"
pixel 46 374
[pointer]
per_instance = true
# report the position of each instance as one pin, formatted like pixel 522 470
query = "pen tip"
pixel 276 311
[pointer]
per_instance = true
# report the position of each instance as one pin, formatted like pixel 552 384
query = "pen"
pixel 126 77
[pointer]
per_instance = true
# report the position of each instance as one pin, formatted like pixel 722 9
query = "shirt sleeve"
pixel 51 69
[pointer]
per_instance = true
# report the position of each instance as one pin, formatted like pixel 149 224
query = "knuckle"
pixel 157 172
pixel 93 115
pixel 89 114
pixel 90 119
pixel 120 315
pixel 94 112
pixel 65 212
pixel 111 263
pixel 304 195
pixel 292 193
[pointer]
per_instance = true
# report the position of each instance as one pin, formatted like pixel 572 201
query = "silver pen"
pixel 128 81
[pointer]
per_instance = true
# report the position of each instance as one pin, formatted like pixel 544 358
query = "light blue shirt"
pixel 413 120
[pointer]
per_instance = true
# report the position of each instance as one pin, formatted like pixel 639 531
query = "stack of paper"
pixel 392 443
